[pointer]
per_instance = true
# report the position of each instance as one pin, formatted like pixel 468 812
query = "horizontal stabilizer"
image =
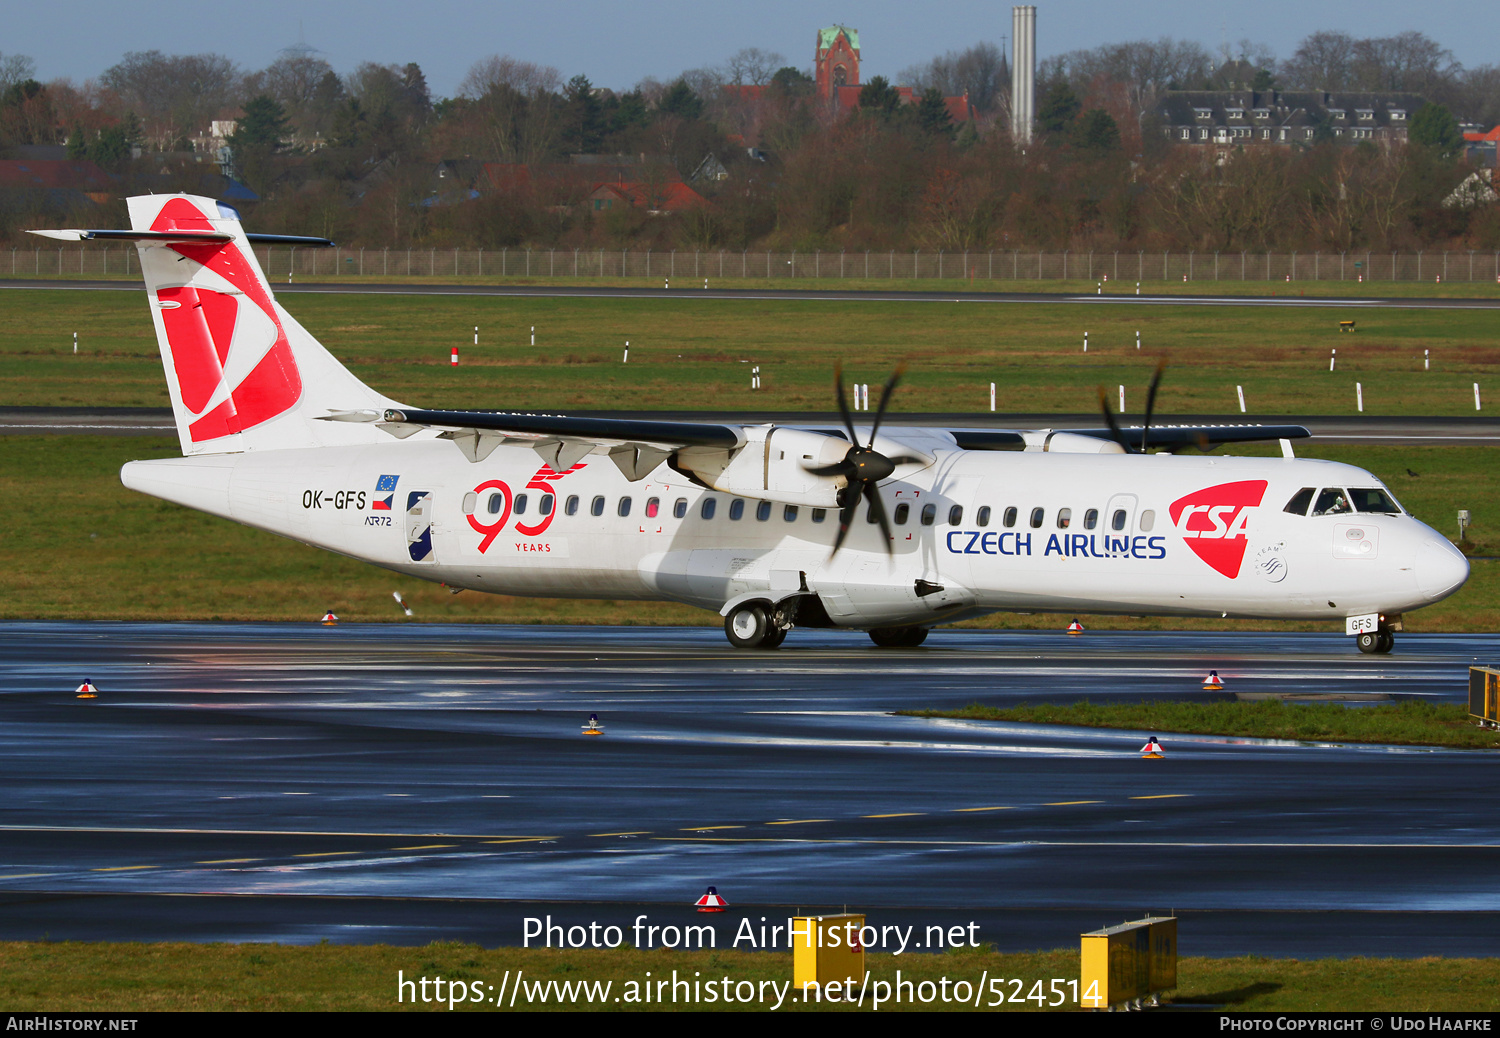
pixel 168 237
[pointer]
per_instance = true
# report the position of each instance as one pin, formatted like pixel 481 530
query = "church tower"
pixel 837 61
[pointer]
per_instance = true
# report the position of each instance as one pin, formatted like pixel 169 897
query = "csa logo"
pixel 1213 522
pixel 385 485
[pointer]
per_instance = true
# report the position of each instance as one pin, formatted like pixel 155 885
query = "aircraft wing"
pixel 1159 437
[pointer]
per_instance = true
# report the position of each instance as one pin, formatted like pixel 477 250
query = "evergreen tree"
pixel 878 97
pixel 585 115
pixel 1096 131
pixel 932 113
pixel 1433 127
pixel 1059 109
pixel 264 125
pixel 680 100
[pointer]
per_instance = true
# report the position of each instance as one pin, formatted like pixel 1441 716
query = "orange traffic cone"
pixel 88 690
pixel 1152 749
pixel 711 901
pixel 592 726
pixel 1075 627
pixel 1212 682
pixel 329 620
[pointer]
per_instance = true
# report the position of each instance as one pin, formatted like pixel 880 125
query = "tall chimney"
pixel 1022 73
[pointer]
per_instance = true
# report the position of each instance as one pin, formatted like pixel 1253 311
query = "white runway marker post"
pixel 75 344
pixel 476 336
pixel 533 335
pixel 626 359
pixel 992 396
pixel 1241 391
pixel 1085 342
pixel 1122 399
pixel 1426 360
pixel 1359 396
pixel 1332 357
pixel 1137 340
pixel 1476 396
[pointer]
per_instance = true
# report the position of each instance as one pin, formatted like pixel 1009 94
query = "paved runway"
pixel 1432 431
pixel 412 782
pixel 814 295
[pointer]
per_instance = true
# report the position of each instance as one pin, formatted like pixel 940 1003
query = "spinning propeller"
pixel 1114 428
pixel 863 467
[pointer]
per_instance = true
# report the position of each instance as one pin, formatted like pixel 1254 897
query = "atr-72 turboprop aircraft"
pixel 956 523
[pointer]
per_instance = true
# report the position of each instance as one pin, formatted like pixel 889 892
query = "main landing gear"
pixel 1376 642
pixel 752 626
pixel 898 637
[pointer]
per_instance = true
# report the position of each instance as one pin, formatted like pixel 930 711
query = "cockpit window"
pixel 1373 499
pixel 1332 501
pixel 1299 502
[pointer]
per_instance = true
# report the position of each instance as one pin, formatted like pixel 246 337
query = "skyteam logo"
pixel 387 486
pixel 1214 522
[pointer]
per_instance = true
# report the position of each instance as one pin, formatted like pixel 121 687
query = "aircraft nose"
pixel 1441 568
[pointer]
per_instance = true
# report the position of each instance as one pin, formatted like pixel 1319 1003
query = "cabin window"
pixel 520 504
pixel 1010 517
pixel 471 501
pixel 789 513
pixel 706 510
pixel 929 514
pixel 983 516
pixel 653 505
pixel 496 502
pixel 736 509
pixel 679 508
pixel 763 511
pixel 1037 515
pixel 1064 518
pixel 571 507
pixel 1091 519
pixel 819 514
pixel 596 507
pixel 1332 502
pixel 1117 521
pixel 544 506
pixel 624 508
pixel 1373 499
pixel 1299 502
pixel 1148 520
pixel 955 515
pixel 903 511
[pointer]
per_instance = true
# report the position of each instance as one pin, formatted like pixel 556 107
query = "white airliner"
pixel 887 530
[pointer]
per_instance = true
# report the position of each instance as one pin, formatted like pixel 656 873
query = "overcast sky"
pixel 618 44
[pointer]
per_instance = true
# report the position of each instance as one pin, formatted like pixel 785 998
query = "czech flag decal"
pixel 386 486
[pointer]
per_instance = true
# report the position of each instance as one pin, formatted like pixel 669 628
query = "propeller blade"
pixel 1151 401
pixel 872 495
pixel 838 384
pixel 1114 427
pixel 838 468
pixel 907 459
pixel 846 516
pixel 885 398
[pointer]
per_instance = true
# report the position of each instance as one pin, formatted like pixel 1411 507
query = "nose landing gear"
pixel 1377 643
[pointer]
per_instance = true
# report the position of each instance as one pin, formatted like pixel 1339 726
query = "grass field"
pixel 688 353
pixel 84 547
pixel 1410 723
pixel 77 977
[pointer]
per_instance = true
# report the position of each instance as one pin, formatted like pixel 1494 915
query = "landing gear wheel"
pixel 1369 642
pixel 1385 641
pixel 749 627
pixel 898 637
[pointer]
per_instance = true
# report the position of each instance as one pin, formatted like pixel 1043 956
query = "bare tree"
pixel 15 68
pixel 974 71
pixel 174 95
pixel 752 66
pixel 1409 61
pixel 525 78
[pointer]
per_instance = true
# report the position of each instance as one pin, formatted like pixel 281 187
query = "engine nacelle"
pixel 1069 443
pixel 772 465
